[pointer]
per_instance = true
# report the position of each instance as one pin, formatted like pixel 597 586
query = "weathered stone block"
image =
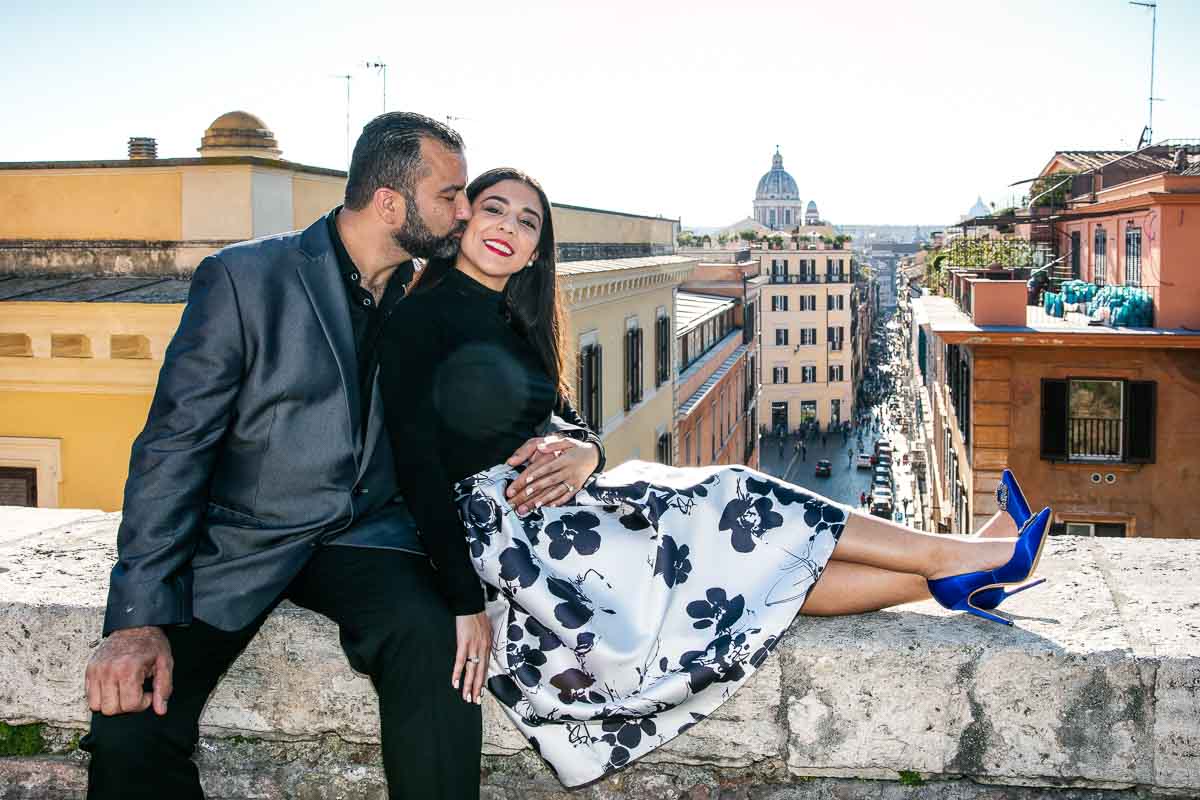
pixel 1097 687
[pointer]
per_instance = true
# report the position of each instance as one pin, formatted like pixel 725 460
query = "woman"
pixel 632 612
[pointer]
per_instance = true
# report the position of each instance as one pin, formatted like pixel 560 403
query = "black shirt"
pixel 462 390
pixel 366 316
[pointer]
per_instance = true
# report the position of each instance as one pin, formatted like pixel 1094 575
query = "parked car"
pixel 864 461
pixel 884 473
pixel 880 482
pixel 882 510
pixel 884 461
pixel 824 469
pixel 882 444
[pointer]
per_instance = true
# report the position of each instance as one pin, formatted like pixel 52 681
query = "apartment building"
pixel 806 317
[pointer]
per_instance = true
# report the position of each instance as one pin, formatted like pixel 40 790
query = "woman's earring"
pixel 530 264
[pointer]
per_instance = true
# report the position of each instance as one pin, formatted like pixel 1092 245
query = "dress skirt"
pixel 625 618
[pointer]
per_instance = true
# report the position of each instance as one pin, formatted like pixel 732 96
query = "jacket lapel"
pixel 374 425
pixel 319 274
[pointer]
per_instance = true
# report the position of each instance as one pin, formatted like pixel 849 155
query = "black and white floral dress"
pixel 625 618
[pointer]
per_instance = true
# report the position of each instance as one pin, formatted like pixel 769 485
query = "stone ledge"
pixel 1098 688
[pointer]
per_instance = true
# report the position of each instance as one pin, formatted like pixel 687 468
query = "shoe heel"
pixel 1020 589
pixel 970 609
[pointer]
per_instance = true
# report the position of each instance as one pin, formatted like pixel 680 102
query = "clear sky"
pixel 885 111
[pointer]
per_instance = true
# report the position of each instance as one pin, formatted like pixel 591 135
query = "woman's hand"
pixel 474 633
pixel 558 466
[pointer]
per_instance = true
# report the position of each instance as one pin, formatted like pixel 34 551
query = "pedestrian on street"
pixel 804 452
pixel 862 499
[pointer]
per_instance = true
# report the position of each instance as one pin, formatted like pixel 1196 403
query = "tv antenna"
pixel 381 68
pixel 347 79
pixel 1148 131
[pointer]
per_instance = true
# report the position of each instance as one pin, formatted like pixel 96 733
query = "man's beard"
pixel 418 241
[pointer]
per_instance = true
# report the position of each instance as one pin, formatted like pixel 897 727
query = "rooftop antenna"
pixel 1148 131
pixel 381 68
pixel 347 79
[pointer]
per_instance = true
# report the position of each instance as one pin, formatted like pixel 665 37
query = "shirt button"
pixel 353 276
pixel 367 301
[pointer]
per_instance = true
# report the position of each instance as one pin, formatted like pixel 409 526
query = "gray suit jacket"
pixel 252 454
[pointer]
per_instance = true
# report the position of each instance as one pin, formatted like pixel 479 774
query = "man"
pixel 264 473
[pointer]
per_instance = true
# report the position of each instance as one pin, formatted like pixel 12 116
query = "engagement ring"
pixel 570 488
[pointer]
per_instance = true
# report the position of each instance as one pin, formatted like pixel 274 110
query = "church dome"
pixel 979 209
pixel 812 206
pixel 777 184
pixel 238 133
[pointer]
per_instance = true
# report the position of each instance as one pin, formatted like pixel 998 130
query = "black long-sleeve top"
pixel 462 390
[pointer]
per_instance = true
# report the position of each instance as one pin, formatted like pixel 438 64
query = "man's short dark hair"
pixel 388 153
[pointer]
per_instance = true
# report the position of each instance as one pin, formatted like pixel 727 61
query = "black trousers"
pixel 394 627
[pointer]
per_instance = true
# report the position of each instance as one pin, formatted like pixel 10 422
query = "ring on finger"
pixel 472 659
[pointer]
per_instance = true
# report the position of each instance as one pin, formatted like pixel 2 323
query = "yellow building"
pixel 94 268
pixel 807 369
pixel 146 215
pixel 620 314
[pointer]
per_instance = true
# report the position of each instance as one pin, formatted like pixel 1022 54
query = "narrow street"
pixel 887 399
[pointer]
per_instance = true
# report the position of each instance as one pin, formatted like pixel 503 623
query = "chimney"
pixel 142 148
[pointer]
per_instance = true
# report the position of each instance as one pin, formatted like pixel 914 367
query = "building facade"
pixel 95 262
pixel 806 335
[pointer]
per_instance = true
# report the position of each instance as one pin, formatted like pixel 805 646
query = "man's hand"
pixel 474 633
pixel 557 468
pixel 120 666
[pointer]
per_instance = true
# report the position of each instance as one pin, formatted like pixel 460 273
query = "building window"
pixel 781 337
pixel 779 375
pixel 779 302
pixel 662 350
pixel 18 486
pixel 1133 257
pixel 590 375
pixel 633 367
pixel 687 448
pixel 808 374
pixel 808 336
pixel 837 373
pixel 835 412
pixel 836 337
pixel 663 450
pixel 1100 258
pixel 1098 419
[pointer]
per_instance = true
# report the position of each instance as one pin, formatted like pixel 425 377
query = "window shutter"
pixel 1054 420
pixel 629 370
pixel 1139 425
pixel 597 389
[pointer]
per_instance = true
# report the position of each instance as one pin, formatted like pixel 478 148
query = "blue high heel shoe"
pixel 968 591
pixel 1011 499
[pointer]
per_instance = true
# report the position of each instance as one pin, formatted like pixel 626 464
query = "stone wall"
pixel 1094 693
pixel 46 257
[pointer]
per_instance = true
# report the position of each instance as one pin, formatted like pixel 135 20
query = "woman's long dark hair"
pixel 530 295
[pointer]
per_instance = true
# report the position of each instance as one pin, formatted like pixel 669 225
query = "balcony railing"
pixel 1095 438
pixel 810 277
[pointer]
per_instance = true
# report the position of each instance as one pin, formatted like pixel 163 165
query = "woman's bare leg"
pixel 888 546
pixel 999 526
pixel 848 588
